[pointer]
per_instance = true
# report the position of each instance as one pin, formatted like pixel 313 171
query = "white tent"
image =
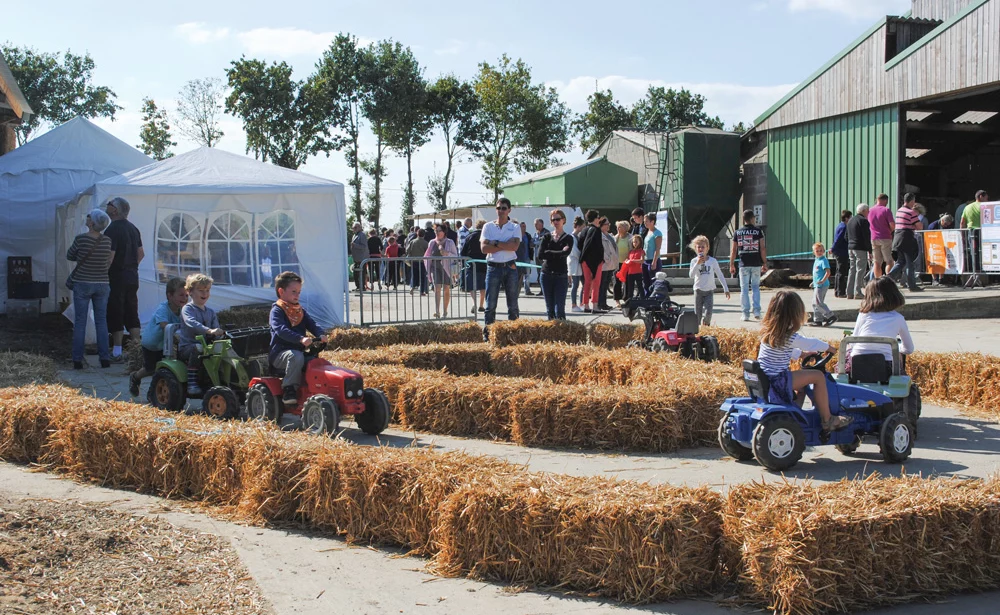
pixel 236 219
pixel 43 173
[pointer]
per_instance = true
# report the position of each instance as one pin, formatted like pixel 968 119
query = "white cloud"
pixel 855 9
pixel 289 42
pixel 731 102
pixel 453 48
pixel 198 32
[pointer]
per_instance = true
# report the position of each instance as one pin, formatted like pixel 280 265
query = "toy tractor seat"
pixel 757 382
pixel 870 367
pixel 687 323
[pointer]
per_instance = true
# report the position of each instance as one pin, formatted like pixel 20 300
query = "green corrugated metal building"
pixel 591 184
pixel 909 106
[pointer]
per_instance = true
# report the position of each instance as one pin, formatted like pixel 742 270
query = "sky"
pixel 742 55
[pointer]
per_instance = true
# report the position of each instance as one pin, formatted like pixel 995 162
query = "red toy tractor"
pixel 327 393
pixel 670 327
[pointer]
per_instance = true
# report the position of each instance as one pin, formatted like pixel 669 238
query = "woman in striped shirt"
pixel 92 253
pixel 904 242
pixel 780 342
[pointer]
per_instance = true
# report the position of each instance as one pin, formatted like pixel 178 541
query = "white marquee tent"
pixel 43 173
pixel 239 220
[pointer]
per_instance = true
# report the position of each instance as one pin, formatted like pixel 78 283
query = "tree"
pixel 155 132
pixel 664 109
pixel 603 116
pixel 199 108
pixel 520 124
pixel 740 128
pixel 453 106
pixel 57 88
pixel 410 125
pixel 284 120
pixel 339 75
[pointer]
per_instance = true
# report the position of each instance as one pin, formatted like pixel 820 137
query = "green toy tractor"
pixel 226 367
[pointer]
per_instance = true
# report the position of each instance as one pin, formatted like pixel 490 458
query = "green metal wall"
pixel 817 169
pixel 600 184
pixel 536 192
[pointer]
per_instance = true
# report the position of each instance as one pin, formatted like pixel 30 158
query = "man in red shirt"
pixel 882 223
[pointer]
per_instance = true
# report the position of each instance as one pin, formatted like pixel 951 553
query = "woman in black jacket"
pixel 554 251
pixel 591 261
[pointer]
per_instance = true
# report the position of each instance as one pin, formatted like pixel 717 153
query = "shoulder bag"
pixel 69 280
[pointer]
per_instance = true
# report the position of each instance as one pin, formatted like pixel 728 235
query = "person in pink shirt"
pixel 882 222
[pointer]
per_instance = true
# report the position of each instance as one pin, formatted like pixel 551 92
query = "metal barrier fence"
pixel 412 289
pixel 957 252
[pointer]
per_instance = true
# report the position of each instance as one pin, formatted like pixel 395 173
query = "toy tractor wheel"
pixel 320 415
pixel 375 419
pixel 778 442
pixel 167 392
pixel 262 405
pixel 659 345
pixel 709 349
pixel 635 344
pixel 221 403
pixel 688 350
pixel 850 449
pixel 895 439
pixel 731 447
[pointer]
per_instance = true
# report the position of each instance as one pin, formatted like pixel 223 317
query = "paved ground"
pixel 303 573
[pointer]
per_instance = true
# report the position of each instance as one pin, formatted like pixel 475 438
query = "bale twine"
pixel 629 541
pixel 856 545
pixel 512 332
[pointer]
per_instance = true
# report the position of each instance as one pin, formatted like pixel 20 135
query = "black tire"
pixel 221 403
pixel 709 349
pixel 635 344
pixel 778 442
pixel 912 407
pixel 262 405
pixel 659 345
pixel 731 447
pixel 688 350
pixel 849 449
pixel 375 419
pixel 320 415
pixel 895 439
pixel 167 392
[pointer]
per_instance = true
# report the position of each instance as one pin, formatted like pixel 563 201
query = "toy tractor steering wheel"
pixel 817 361
pixel 671 306
pixel 315 348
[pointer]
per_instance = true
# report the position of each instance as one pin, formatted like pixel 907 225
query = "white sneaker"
pixel 745 318
pixel 576 308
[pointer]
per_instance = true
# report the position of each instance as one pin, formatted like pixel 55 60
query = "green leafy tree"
pixel 740 127
pixel 603 116
pixel 155 132
pixel 666 109
pixel 520 124
pixel 453 108
pixel 58 87
pixel 340 76
pixel 285 120
pixel 199 109
pixel 410 125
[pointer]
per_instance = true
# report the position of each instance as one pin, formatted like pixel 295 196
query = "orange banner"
pixel 943 252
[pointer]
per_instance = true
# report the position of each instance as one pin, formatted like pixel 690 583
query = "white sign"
pixel 989 236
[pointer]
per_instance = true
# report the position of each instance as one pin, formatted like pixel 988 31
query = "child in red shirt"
pixel 392 251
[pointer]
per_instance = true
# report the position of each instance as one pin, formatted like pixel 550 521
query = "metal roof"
pixel 550 173
pixel 18 103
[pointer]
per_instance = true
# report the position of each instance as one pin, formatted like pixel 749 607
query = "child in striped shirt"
pixel 780 342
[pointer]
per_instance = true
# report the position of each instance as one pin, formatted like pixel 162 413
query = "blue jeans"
pixel 85 293
pixel 907 261
pixel 750 279
pixel 577 281
pixel 554 286
pixel 497 276
pixel 418 276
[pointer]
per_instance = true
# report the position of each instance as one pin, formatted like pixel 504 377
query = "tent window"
pixel 229 249
pixel 276 246
pixel 178 246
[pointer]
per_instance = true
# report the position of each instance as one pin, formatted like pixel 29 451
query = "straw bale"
pixel 633 542
pixel 458 359
pixel 272 467
pixel 25 419
pixel 422 333
pixel 735 344
pixel 22 368
pixel 964 378
pixel 241 316
pixel 607 335
pixel 549 361
pixel 511 332
pixel 856 545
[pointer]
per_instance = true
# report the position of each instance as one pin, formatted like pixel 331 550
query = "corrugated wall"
pixel 819 168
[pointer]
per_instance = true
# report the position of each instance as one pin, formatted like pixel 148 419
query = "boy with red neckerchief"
pixel 289 325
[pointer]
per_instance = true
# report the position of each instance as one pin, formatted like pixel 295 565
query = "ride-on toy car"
pixel 777 434
pixel 227 365
pixel 670 327
pixel 327 393
pixel 872 372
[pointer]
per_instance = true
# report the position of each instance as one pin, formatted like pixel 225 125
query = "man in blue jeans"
pixel 499 241
pixel 748 247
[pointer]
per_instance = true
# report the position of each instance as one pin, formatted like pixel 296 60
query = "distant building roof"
pixel 15 99
pixel 549 173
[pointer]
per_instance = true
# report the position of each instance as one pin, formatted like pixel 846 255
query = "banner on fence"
pixel 990 236
pixel 943 252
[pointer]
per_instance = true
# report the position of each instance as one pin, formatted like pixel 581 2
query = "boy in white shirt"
pixel 704 270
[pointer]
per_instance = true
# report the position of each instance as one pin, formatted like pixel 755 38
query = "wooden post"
pixel 8 140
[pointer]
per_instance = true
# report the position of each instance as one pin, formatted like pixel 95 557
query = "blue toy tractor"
pixel 777 434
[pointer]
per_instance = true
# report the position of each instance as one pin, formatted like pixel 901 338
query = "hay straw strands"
pixel 859 544
pixel 633 542
pixel 423 333
pixel 458 359
pixel 606 335
pixel 21 368
pixel 549 361
pixel 241 316
pixel 511 332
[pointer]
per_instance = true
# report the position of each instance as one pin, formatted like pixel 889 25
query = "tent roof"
pixel 210 170
pixel 74 146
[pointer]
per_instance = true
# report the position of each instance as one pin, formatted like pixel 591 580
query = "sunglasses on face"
pixel 502 208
